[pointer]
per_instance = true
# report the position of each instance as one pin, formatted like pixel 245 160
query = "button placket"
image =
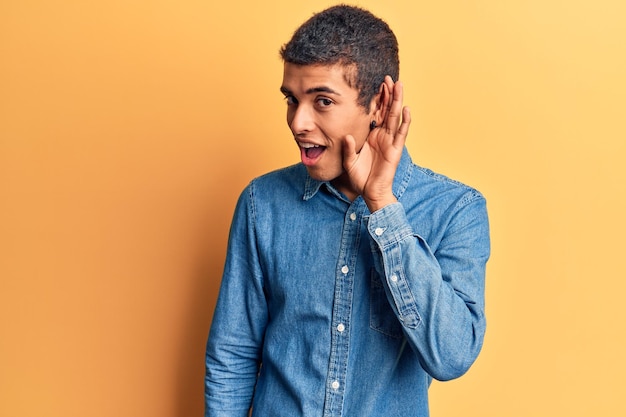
pixel 342 310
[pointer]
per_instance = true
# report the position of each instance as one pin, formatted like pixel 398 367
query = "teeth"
pixel 309 145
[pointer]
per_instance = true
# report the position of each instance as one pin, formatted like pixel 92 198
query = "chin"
pixel 320 175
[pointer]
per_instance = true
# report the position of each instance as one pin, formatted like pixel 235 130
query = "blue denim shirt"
pixel 326 309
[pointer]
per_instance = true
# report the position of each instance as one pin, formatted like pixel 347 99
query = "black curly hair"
pixel 352 37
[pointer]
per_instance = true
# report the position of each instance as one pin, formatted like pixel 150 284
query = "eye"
pixel 324 102
pixel 291 100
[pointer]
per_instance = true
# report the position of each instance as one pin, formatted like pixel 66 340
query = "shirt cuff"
pixel 389 225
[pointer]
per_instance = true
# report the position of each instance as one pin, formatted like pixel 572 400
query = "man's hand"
pixel 371 171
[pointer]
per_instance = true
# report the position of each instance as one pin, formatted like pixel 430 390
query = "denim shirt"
pixel 326 309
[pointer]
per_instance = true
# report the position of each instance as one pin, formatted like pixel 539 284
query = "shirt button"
pixel 353 216
pixel 394 278
pixel 335 385
pixel 345 269
pixel 379 231
pixel 341 327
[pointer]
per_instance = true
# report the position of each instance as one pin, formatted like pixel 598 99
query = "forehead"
pixel 303 78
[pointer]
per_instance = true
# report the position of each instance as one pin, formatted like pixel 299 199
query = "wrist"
pixel 379 203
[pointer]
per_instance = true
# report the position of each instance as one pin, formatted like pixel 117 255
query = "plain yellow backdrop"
pixel 128 129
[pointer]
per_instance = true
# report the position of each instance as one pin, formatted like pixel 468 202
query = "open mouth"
pixel 311 152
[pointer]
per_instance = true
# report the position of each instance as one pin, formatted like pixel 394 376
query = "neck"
pixel 342 184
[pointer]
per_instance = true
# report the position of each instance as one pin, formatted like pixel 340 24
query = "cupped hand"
pixel 371 171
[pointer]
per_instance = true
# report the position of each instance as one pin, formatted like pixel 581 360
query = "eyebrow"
pixel 320 89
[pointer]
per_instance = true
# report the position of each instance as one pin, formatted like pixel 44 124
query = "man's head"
pixel 334 69
pixel 350 37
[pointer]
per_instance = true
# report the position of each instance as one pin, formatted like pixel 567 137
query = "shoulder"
pixel 442 208
pixel 272 190
pixel 279 184
pixel 429 184
pixel 293 175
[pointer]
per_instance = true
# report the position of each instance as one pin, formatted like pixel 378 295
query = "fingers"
pixel 394 112
pixel 396 118
pixel 399 138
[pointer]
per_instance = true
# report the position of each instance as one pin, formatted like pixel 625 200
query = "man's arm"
pixel 234 345
pixel 437 297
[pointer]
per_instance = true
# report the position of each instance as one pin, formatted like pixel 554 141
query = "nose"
pixel 300 119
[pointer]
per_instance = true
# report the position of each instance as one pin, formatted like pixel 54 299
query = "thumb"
pixel 349 152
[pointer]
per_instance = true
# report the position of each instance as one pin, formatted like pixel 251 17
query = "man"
pixel 355 277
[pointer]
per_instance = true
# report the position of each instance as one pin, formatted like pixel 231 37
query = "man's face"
pixel 321 110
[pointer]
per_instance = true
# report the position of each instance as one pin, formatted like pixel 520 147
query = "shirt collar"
pixel 400 181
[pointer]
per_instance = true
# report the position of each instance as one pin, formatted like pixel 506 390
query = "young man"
pixel 355 277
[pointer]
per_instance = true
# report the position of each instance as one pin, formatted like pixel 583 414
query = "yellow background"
pixel 128 129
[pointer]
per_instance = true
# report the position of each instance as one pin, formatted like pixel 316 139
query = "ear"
pixel 379 105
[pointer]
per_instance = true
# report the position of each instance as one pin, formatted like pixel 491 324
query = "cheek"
pixel 291 128
pixel 361 128
pixel 344 124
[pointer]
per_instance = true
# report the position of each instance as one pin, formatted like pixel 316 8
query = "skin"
pixel 322 109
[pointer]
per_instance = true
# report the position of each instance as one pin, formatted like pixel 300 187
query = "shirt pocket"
pixel 382 317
